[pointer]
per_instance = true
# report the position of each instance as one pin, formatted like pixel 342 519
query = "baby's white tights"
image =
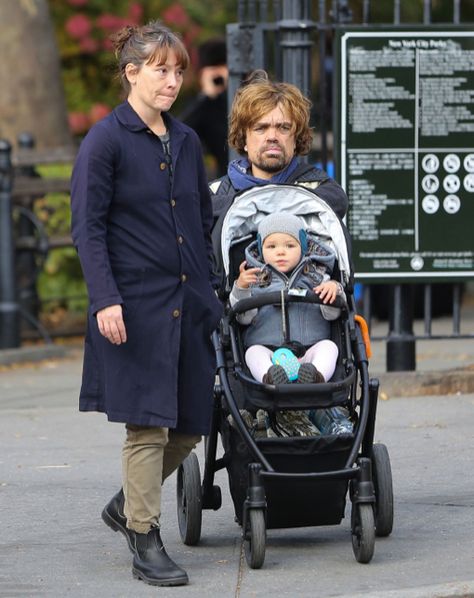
pixel 323 355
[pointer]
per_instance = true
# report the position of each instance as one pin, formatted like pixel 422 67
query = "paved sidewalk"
pixel 59 467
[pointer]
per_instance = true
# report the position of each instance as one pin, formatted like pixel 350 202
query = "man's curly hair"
pixel 258 96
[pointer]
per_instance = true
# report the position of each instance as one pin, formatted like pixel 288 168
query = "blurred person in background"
pixel 207 113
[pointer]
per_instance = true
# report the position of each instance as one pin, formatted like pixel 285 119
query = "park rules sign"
pixel 405 144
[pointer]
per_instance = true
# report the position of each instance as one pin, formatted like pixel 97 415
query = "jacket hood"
pixel 318 256
pixel 249 208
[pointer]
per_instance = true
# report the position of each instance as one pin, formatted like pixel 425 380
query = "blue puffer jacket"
pixel 308 323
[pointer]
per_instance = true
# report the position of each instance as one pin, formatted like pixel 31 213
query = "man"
pixel 269 128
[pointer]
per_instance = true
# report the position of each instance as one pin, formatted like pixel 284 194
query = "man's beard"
pixel 272 165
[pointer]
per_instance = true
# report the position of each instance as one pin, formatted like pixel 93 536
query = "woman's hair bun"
pixel 121 37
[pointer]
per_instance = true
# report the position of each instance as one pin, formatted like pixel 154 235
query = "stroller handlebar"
pixel 275 298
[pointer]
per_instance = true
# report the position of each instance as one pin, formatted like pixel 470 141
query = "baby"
pixel 284 256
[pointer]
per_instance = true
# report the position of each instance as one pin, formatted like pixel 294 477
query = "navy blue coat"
pixel 143 239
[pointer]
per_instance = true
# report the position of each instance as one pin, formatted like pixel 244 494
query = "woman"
pixel 141 217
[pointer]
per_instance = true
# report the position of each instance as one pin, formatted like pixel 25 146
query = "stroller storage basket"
pixel 293 501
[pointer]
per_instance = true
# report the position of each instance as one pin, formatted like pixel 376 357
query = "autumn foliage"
pixel 83 29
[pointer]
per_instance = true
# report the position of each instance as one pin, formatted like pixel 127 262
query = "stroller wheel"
pixel 363 531
pixel 382 477
pixel 189 503
pixel 255 538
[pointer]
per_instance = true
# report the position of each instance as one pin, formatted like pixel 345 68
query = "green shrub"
pixel 60 283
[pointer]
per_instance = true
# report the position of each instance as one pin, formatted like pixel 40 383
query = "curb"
pixel 31 354
pixel 458 589
pixel 441 382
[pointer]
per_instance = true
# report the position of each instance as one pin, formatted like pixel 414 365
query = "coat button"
pixel 180 240
pixel 162 165
pixel 184 278
pixel 176 313
pixel 173 203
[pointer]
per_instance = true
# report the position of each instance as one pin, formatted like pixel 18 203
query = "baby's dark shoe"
pixel 276 375
pixel 308 374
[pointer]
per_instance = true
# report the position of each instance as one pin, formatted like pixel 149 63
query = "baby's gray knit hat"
pixel 282 222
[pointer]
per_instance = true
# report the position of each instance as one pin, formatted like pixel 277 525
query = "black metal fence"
pixel 24 241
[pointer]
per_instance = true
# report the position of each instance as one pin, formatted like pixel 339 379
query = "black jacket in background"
pixel 208 117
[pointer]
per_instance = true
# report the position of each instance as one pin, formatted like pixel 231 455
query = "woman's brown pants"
pixel 149 456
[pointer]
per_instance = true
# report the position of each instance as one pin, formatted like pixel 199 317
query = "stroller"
pixel 289 481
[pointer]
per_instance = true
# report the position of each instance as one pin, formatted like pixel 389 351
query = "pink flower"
pixel 135 13
pixel 191 33
pixel 78 26
pixel 107 44
pixel 78 122
pixel 175 15
pixel 88 45
pixel 98 112
pixel 109 22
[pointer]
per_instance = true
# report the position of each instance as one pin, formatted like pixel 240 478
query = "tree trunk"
pixel 31 92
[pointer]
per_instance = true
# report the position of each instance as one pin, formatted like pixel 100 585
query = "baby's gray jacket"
pixel 308 322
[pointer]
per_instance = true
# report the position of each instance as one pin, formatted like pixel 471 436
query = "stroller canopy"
pixel 252 206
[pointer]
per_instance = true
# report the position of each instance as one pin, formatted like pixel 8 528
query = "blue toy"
pixel 288 361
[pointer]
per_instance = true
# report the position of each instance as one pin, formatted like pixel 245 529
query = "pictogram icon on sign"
pixel 430 163
pixel 430 204
pixel 451 204
pixel 451 183
pixel 451 163
pixel 469 163
pixel 430 183
pixel 469 183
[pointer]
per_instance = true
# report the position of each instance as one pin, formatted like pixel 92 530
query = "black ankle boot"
pixel 152 564
pixel 114 517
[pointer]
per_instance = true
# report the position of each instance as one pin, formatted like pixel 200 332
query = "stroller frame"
pixel 365 472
